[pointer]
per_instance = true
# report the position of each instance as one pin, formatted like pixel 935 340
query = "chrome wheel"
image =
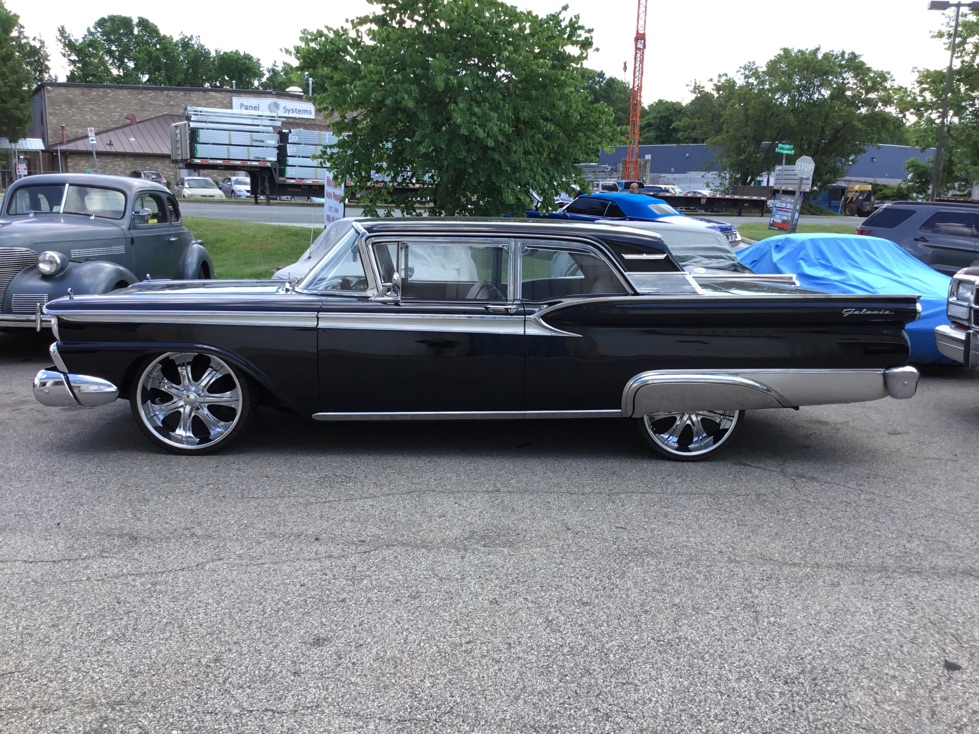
pixel 690 436
pixel 191 403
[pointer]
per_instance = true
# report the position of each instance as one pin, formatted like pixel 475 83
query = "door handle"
pixel 511 309
pixel 920 239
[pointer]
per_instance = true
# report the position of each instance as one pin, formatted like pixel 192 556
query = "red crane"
pixel 631 169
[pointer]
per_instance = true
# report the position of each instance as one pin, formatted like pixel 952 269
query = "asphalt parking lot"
pixel 822 575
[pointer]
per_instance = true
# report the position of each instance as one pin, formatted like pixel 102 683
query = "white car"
pixel 198 187
pixel 236 187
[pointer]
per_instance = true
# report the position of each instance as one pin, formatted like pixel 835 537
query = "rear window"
pixel 887 217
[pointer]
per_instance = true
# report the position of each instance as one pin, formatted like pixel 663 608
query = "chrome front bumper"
pixel 958 343
pixel 62 390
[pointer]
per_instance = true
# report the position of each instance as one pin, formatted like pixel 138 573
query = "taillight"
pixel 862 230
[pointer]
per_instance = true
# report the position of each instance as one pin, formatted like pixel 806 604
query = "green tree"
pixel 612 92
pixel 658 125
pixel 119 50
pixel 15 78
pixel 829 105
pixel 463 105
pixel 280 78
pixel 925 104
pixel 236 69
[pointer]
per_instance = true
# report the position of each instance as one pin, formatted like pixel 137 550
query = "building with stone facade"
pixel 131 123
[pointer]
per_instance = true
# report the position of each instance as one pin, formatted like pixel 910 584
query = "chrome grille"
pixel 12 261
pixel 27 302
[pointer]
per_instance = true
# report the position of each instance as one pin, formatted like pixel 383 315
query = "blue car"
pixel 637 207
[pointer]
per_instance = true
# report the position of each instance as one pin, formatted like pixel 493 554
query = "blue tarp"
pixel 838 263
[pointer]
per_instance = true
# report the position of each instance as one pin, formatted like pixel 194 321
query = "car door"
pixel 581 362
pixel 159 239
pixel 946 241
pixel 448 341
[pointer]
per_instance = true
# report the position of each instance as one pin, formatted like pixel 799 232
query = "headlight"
pixel 51 263
pixel 962 290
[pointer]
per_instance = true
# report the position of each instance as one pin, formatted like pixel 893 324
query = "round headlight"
pixel 51 263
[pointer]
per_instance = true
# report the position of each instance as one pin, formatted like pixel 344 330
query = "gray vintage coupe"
pixel 88 234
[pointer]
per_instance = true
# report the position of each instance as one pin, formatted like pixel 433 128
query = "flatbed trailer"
pixel 716 203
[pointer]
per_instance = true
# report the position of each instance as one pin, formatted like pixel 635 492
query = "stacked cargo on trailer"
pixel 278 161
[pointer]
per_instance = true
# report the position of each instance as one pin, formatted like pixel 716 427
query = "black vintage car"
pixel 87 233
pixel 428 318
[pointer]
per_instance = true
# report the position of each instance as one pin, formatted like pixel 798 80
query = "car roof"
pixel 624 196
pixel 126 183
pixel 616 240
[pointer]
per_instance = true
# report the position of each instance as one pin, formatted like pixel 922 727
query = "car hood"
pixel 67 230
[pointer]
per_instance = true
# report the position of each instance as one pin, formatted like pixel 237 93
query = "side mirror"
pixel 395 290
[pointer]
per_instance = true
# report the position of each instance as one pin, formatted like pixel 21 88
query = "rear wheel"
pixel 191 403
pixel 690 436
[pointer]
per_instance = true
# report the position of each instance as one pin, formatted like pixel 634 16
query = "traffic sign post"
pixel 785 149
pixel 91 140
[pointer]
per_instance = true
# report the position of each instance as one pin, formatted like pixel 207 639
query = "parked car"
pixel 87 233
pixel 959 338
pixel 198 187
pixel 638 207
pixel 943 235
pixel 840 263
pixel 150 176
pixel 668 189
pixel 371 334
pixel 236 187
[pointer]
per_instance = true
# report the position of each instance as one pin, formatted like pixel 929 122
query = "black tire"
pixel 850 211
pixel 690 436
pixel 191 402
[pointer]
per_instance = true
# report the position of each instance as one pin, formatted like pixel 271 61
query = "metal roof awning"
pixel 22 144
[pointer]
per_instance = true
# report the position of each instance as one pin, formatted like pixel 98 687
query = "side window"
pixel 94 201
pixel 446 270
pixel 559 272
pixel 156 206
pixel 951 223
pixel 587 206
pixel 614 212
pixel 173 209
pixel 888 216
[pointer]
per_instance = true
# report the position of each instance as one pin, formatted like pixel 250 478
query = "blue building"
pixel 695 166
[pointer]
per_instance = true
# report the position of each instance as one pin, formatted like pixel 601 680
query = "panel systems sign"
pixel 275 106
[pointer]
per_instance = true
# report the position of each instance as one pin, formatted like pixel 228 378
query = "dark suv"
pixel 943 235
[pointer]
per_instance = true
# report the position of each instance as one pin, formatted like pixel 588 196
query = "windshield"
pixel 341 269
pixel 68 199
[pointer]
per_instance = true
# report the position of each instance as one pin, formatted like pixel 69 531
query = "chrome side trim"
pixel 468 415
pixel 58 390
pixel 98 251
pixel 304 319
pixel 488 323
pixel 693 390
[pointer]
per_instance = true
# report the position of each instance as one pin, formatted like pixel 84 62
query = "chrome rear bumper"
pixel 60 390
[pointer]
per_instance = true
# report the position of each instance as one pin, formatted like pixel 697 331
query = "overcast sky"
pixel 686 41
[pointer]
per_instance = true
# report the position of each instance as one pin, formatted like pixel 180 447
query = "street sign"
pixel 785 148
pixel 805 166
pixel 91 135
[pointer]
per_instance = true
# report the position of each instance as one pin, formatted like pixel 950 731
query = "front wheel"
pixel 191 403
pixel 690 436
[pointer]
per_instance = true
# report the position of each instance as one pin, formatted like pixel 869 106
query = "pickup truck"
pixel 959 339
